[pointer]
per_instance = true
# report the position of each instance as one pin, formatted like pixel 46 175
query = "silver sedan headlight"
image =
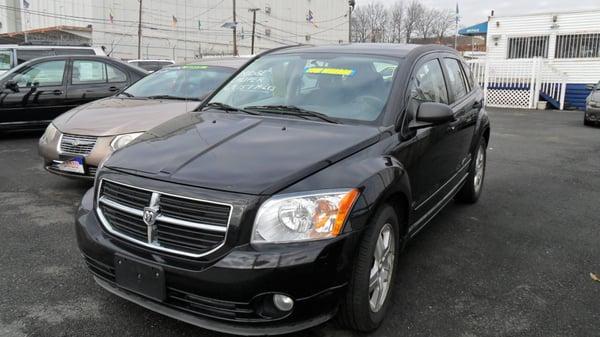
pixel 122 140
pixel 49 134
pixel 303 216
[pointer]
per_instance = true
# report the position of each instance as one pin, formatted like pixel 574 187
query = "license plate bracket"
pixel 143 278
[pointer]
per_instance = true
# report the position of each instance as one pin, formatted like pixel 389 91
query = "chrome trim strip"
pixel 173 221
pixel 155 246
pixel 120 207
pixel 443 186
pixel 424 220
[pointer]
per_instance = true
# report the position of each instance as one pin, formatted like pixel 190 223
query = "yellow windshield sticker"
pixel 329 71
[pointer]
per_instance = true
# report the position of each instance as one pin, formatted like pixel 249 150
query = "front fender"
pixel 379 178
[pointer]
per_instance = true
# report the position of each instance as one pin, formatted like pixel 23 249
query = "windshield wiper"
pixel 227 108
pixel 292 110
pixel 171 97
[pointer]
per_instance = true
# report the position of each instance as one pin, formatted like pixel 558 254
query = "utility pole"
pixel 235 51
pixel 253 10
pixel 140 32
pixel 351 4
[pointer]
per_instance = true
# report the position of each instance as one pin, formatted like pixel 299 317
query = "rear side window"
pixel 24 55
pixel 74 51
pixel 428 84
pixel 85 71
pixel 115 75
pixel 456 78
pixel 5 59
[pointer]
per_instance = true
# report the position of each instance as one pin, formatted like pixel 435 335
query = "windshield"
pixel 341 86
pixel 186 82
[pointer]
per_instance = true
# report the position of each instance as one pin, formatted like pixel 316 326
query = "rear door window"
pixel 86 71
pixel 115 75
pixel 456 78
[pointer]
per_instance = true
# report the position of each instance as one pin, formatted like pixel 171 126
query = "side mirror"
pixel 591 86
pixel 430 113
pixel 12 85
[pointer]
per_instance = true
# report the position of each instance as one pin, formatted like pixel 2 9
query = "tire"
pixel 471 190
pixel 359 309
pixel 586 122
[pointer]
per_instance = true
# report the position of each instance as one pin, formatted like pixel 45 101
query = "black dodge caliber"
pixel 287 197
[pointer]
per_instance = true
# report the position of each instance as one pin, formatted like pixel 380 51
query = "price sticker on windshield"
pixel 330 71
pixel 194 67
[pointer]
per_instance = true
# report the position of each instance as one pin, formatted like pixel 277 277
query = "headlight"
pixel 303 217
pixel 49 134
pixel 122 140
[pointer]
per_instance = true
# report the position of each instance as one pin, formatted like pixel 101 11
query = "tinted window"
pixel 468 75
pixel 85 71
pixel 189 82
pixel 5 56
pixel 25 55
pixel 428 84
pixel 42 74
pixel 456 79
pixel 74 51
pixel 115 75
pixel 338 85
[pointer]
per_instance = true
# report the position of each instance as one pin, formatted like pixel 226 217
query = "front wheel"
pixel 471 190
pixel 369 291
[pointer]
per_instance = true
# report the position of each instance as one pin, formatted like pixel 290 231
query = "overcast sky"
pixel 476 11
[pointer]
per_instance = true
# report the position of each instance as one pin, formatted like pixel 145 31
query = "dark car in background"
pixel 592 106
pixel 289 194
pixel 37 91
pixel 76 142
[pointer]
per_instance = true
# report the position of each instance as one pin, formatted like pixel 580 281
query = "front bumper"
pixel 592 114
pixel 227 293
pixel 49 150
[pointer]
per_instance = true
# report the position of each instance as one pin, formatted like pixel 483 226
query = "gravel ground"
pixel 517 263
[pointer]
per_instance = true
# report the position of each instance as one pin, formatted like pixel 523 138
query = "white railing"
pixel 519 83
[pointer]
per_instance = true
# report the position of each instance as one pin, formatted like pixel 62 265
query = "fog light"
pixel 282 302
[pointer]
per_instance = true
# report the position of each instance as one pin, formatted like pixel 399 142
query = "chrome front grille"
pixel 76 144
pixel 166 222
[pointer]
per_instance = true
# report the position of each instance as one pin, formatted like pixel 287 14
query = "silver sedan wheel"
pixel 383 267
pixel 479 168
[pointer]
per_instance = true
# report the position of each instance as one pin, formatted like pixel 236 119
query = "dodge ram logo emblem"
pixel 150 214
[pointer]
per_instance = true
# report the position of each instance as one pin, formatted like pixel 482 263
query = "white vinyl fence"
pixel 519 83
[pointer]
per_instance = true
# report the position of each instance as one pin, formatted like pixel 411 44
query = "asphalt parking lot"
pixel 517 263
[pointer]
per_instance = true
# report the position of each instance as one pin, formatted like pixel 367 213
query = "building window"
pixel 527 47
pixel 577 46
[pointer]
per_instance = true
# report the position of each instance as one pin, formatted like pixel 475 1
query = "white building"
pixel 184 29
pixel 567 43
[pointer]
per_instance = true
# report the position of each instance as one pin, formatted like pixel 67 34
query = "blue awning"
pixel 478 29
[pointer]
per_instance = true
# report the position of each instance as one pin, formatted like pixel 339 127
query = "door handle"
pixel 57 92
pixel 478 105
pixel 113 89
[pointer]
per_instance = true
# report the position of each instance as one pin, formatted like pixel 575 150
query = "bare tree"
pixel 396 22
pixel 360 25
pixel 444 21
pixel 426 22
pixel 377 18
pixel 413 14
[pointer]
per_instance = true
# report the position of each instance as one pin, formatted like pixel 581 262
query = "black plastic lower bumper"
pixel 228 294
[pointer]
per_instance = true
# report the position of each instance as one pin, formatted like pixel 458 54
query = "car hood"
pixel 240 153
pixel 595 96
pixel 113 116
